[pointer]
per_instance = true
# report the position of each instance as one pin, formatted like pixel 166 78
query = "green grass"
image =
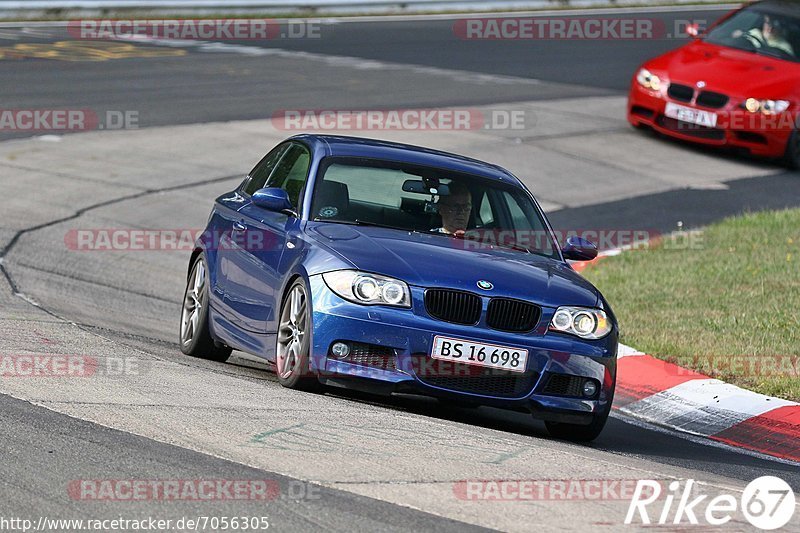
pixel 724 301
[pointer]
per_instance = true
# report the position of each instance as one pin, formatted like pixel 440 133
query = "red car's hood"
pixel 729 71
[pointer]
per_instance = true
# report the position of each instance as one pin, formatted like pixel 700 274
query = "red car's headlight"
pixel 648 80
pixel 768 107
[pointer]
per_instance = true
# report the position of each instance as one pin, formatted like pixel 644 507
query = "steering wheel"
pixel 746 42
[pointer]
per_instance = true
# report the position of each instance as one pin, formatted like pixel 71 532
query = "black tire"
pixel 582 433
pixel 293 343
pixel 195 336
pixel 792 157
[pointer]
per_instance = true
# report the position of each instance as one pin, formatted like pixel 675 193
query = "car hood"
pixel 727 70
pixel 440 261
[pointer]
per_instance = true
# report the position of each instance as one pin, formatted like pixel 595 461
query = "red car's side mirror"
pixel 693 30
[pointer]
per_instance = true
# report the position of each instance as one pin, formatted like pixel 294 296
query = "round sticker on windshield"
pixel 328 212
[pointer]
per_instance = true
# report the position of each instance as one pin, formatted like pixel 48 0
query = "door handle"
pixel 239 226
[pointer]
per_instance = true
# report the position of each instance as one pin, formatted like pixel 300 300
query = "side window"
pixel 291 172
pixel 518 216
pixel 260 174
pixel 485 212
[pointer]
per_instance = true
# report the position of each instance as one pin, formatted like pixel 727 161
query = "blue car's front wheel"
pixel 195 337
pixel 294 340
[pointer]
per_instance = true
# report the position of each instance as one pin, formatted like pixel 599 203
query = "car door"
pixel 225 215
pixel 258 240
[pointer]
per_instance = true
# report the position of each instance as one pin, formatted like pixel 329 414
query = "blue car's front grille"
pixel 512 315
pixel 462 307
pixel 458 307
pixel 473 379
pixel 370 355
pixel 489 384
pixel 563 385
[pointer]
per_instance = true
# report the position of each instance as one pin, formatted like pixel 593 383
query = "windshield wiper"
pixel 513 246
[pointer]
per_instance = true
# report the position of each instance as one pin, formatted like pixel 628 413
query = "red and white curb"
pixel 670 396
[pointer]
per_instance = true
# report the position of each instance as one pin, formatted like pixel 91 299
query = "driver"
pixel 772 34
pixel 455 209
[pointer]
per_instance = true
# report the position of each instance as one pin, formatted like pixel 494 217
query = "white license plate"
pixel 479 354
pixel 691 115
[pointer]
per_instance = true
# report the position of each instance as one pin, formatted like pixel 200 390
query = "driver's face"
pixel 768 29
pixel 455 211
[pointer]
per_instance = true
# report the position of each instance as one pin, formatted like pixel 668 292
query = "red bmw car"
pixel 735 85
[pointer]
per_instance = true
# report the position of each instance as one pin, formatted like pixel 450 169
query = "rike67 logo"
pixel 767 502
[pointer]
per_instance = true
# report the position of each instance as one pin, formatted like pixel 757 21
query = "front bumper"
pixel 760 135
pixel 406 337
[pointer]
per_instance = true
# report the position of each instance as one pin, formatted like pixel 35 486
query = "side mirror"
pixel 579 249
pixel 693 30
pixel 273 199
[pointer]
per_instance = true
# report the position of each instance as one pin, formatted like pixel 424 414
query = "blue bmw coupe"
pixel 397 269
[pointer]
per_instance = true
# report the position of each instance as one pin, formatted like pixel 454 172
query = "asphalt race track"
pixel 342 461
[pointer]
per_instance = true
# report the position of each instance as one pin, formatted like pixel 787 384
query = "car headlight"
pixel 648 80
pixel 369 289
pixel 584 322
pixel 768 107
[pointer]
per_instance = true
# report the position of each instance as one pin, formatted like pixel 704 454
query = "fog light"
pixel 589 388
pixel 340 349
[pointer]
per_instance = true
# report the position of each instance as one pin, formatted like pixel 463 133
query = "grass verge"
pixel 724 301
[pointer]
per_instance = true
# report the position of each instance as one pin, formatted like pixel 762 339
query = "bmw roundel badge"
pixel 485 285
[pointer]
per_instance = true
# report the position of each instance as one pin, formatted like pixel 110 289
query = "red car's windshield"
pixel 760 31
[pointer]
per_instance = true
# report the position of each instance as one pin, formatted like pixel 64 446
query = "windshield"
pixel 759 31
pixel 482 212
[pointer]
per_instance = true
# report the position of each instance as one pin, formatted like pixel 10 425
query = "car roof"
pixel 346 146
pixel 783 7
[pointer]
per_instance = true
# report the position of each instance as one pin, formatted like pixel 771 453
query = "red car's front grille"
pixel 712 99
pixel 685 93
pixel 692 130
pixel 682 93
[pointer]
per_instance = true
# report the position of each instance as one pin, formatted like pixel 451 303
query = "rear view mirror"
pixel 418 186
pixel 579 249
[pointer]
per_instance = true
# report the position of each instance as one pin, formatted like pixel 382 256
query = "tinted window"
pixel 260 174
pixel 757 29
pixel 291 172
pixel 417 198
